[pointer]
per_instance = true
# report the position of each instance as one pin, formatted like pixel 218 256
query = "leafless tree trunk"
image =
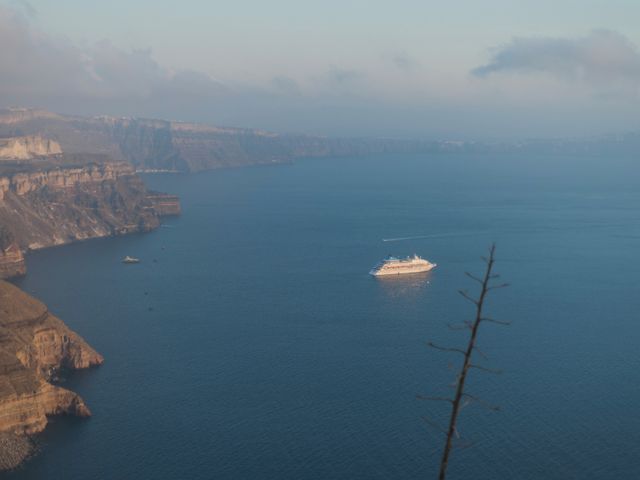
pixel 460 394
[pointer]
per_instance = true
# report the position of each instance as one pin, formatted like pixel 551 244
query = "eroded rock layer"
pixel 28 147
pixel 160 145
pixel 14 449
pixel 11 257
pixel 34 345
pixel 164 204
pixel 57 203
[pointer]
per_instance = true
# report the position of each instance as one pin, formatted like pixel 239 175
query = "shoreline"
pixel 16 447
pixel 35 342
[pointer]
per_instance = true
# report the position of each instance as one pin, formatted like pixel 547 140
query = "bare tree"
pixel 467 364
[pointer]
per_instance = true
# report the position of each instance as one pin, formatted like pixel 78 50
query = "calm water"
pixel 251 343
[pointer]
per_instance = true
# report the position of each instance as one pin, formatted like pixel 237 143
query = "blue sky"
pixel 459 69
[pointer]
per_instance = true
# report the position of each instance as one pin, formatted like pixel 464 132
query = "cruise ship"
pixel 399 266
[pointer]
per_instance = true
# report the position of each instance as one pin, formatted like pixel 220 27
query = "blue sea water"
pixel 250 343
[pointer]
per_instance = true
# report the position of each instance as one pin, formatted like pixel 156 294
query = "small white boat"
pixel 129 259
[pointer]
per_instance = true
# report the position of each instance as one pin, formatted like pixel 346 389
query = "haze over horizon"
pixel 247 226
pixel 471 70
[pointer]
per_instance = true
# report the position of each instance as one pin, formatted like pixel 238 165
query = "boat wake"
pixel 417 237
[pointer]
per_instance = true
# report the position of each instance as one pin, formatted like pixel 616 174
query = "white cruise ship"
pixel 400 266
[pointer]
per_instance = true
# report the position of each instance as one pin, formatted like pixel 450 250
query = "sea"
pixel 251 343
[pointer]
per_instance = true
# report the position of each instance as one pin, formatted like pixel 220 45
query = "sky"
pixel 462 69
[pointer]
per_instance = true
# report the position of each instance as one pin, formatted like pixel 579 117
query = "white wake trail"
pixel 417 237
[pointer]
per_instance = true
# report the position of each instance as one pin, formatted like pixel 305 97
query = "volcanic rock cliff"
pixel 28 147
pixel 51 204
pixel 159 145
pixel 11 257
pixel 34 344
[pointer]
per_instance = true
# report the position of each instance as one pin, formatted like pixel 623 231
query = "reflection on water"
pixel 407 287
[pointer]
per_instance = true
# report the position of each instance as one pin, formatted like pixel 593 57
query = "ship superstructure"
pixel 399 266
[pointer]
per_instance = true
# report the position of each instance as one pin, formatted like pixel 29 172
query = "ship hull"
pixel 404 271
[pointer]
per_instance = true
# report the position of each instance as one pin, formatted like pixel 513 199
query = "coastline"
pixel 40 209
pixel 34 346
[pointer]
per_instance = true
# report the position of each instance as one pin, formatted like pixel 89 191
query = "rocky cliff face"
pixel 28 147
pixel 53 204
pixel 65 204
pixel 158 145
pixel 50 198
pixel 34 344
pixel 11 257
pixel 12 261
pixel 164 204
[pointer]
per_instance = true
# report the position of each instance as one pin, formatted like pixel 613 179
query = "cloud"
pixel 387 95
pixel 343 76
pixel 26 7
pixel 285 85
pixel 36 67
pixel 402 61
pixel 602 58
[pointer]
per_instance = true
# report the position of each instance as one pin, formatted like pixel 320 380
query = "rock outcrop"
pixel 164 204
pixel 12 262
pixel 49 198
pixel 14 449
pixel 28 148
pixel 34 345
pixel 11 257
pixel 54 204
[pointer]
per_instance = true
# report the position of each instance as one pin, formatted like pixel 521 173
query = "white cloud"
pixel 35 67
pixel 603 58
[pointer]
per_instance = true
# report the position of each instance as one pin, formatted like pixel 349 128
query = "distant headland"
pixel 50 197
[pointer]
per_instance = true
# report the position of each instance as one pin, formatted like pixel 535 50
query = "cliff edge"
pixel 34 345
pixel 28 147
pixel 54 203
pixel 154 145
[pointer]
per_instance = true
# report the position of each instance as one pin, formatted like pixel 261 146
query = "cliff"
pixel 11 257
pixel 159 145
pixel 12 262
pixel 55 203
pixel 28 147
pixel 59 205
pixel 34 344
pixel 164 204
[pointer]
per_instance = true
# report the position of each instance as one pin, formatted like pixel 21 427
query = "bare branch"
pixel 489 370
pixel 465 445
pixel 493 320
pixel 495 287
pixel 468 297
pixel 473 277
pixel 462 326
pixel 460 398
pixel 434 424
pixel 494 408
pixel 435 399
pixel 482 354
pixel 446 349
